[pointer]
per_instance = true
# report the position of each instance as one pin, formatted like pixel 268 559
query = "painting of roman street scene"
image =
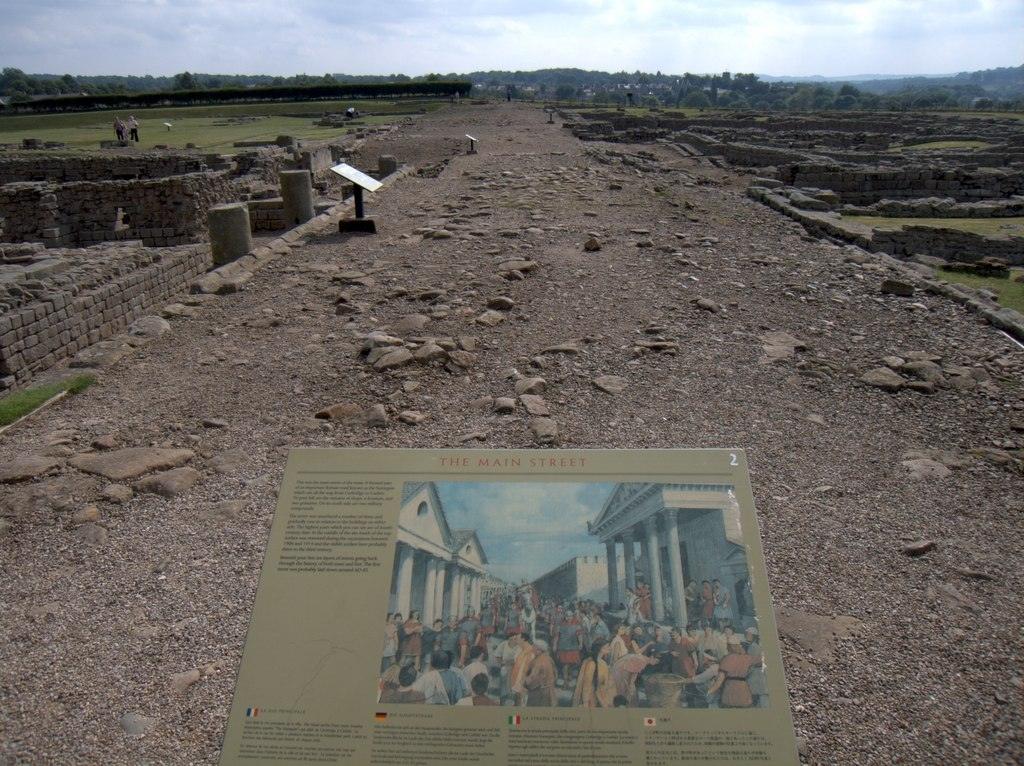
pixel 571 594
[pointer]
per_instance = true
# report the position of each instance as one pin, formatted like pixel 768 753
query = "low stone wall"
pixel 267 214
pixel 947 244
pixel 106 167
pixel 863 186
pixel 54 304
pixel 160 212
pixel 934 207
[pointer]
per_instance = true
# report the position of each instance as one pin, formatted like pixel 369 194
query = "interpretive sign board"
pixel 357 177
pixel 512 607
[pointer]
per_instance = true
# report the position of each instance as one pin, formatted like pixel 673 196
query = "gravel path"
pixel 117 610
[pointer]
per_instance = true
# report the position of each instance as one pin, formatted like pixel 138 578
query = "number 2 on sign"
pixel 733 459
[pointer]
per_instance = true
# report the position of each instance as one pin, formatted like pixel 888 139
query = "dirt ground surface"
pixel 122 624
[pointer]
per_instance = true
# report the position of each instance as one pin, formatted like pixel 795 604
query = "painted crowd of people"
pixel 520 649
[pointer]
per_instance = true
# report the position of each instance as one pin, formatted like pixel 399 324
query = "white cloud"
pixel 259 36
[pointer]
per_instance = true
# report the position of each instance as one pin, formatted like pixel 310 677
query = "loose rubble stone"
pixel 884 378
pixel 918 548
pixel 149 327
pixel 923 469
pixel 490 318
pixel 531 386
pixel 544 430
pixel 592 245
pixel 91 534
pixel 226 509
pixel 169 483
pixel 135 725
pixel 214 423
pixel 462 359
pixel 535 405
pixel 25 468
pixel 377 416
pixel 504 405
pixel 412 417
pixel 429 352
pixel 394 359
pixel 897 287
pixel 181 681
pixel 343 411
pixel 117 493
pixel 89 513
pixel 501 303
pixel 130 462
pixel 610 384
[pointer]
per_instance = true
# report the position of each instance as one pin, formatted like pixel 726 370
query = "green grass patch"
pixel 997 228
pixel 941 145
pixel 205 126
pixel 1011 294
pixel 21 403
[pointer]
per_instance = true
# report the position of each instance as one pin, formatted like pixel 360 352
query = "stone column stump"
pixel 297 195
pixel 230 232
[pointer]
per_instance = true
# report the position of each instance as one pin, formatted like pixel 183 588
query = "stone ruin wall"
pixel 160 212
pixel 864 186
pixel 98 167
pixel 62 305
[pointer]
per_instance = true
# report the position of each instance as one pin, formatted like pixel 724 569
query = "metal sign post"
pixel 472 144
pixel 551 116
pixel 360 182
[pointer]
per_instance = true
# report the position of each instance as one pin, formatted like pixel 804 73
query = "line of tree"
pixel 238 95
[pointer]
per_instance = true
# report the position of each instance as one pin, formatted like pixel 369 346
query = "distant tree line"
pixel 196 96
pixel 1001 88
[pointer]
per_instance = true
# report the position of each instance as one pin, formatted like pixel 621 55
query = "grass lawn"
pixel 1011 294
pixel 941 145
pixel 989 227
pixel 205 126
pixel 20 403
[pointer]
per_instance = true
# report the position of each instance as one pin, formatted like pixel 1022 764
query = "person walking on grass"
pixel 133 129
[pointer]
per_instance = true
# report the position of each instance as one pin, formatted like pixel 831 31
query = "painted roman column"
pixel 654 566
pixel 439 590
pixel 404 588
pixel 627 544
pixel 613 574
pixel 428 591
pixel 675 562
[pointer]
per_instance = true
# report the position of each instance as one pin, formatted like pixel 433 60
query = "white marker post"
pixel 360 181
pixel 472 144
pixel 169 126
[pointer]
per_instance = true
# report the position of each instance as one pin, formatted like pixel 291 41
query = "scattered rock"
pixel 884 378
pixel 610 384
pixel 130 462
pixel 779 346
pixel 544 430
pixel 410 323
pixel 918 547
pixel 25 468
pixel 214 423
pixel 136 725
pixel 169 483
pixel 503 405
pixel 149 327
pixel 462 359
pixel 473 436
pixel 342 411
pixel 897 287
pixel 117 493
pixel 107 441
pixel 377 416
pixel 91 534
pixel 535 405
pixel 707 305
pixel 490 318
pixel 394 359
pixel 429 352
pixel 592 245
pixel 501 303
pixel 228 461
pixel 181 681
pixel 567 347
pixel 925 469
pixel 227 509
pixel 530 386
pixel 412 417
pixel 86 515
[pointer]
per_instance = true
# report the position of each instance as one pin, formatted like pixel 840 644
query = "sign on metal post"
pixel 360 181
pixel 472 144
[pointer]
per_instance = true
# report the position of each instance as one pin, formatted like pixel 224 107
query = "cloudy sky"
pixel 779 37
pixel 526 529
